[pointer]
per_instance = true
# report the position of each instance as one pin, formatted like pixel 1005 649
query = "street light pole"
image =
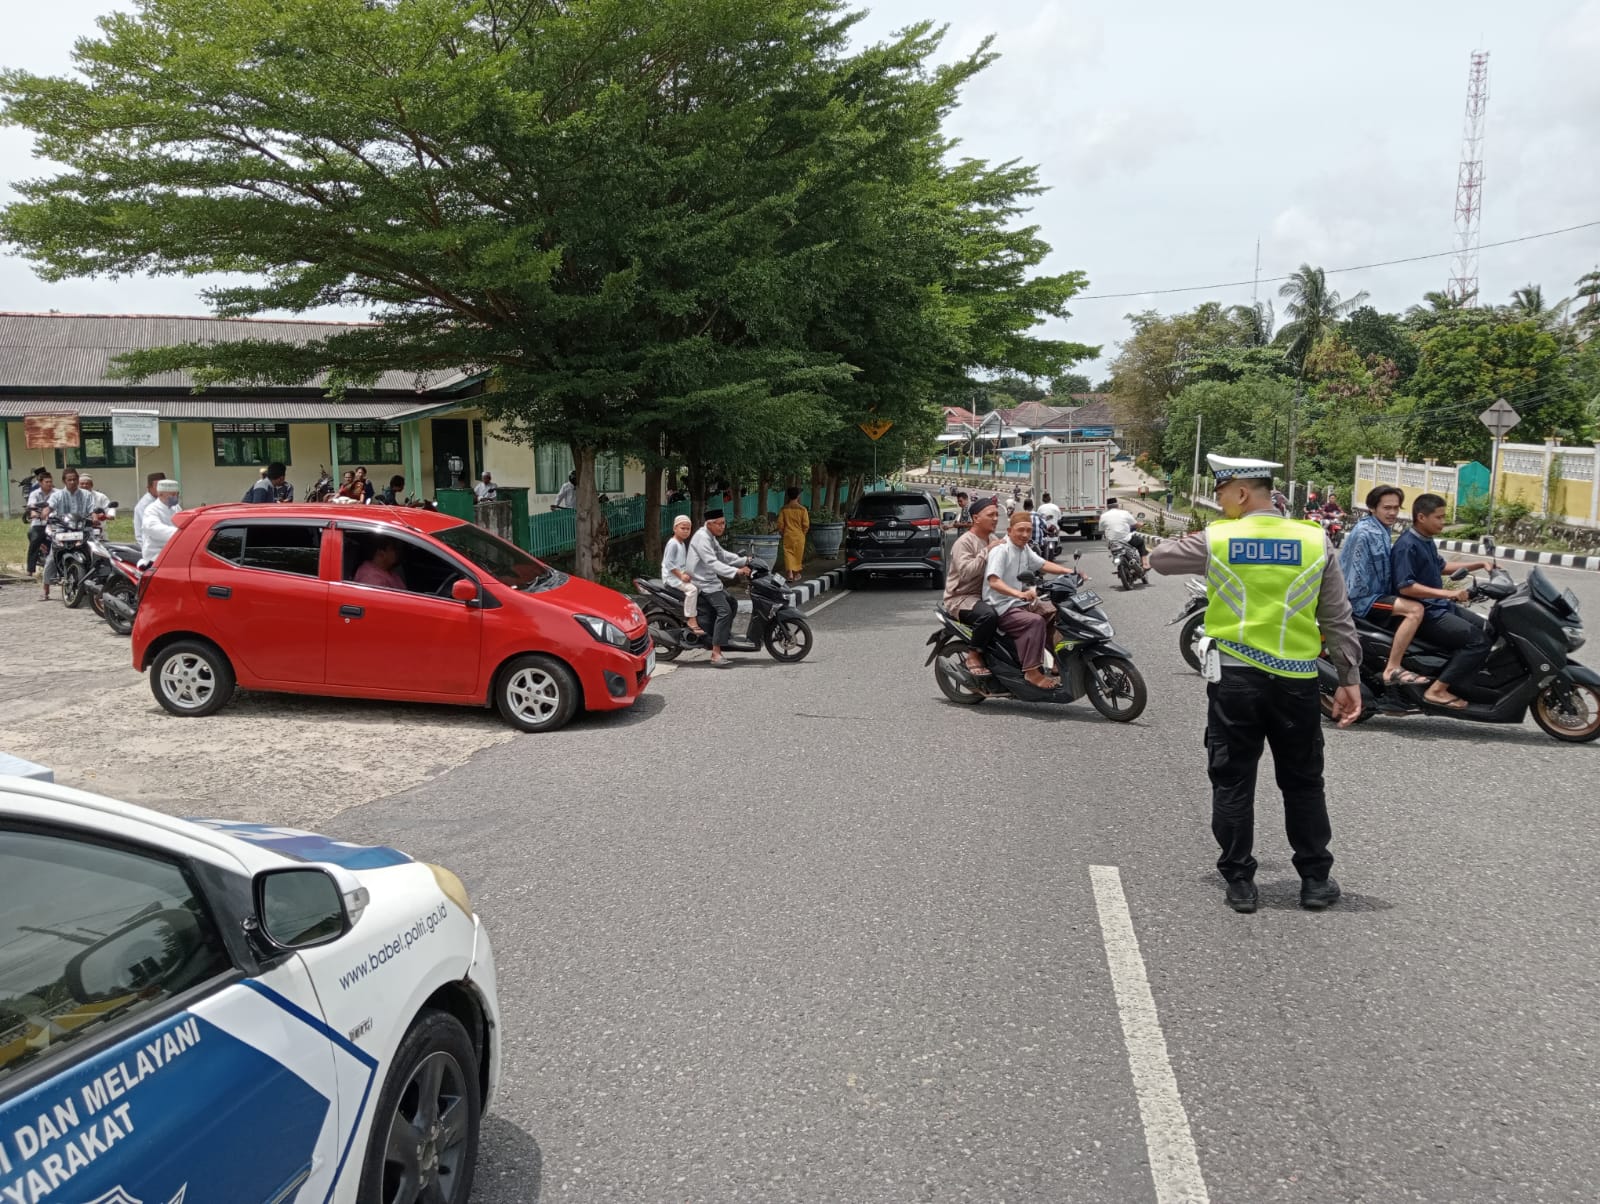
pixel 1194 479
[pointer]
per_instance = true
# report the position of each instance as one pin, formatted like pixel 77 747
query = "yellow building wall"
pixel 1517 487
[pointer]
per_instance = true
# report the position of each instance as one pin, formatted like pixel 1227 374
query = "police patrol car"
pixel 198 1011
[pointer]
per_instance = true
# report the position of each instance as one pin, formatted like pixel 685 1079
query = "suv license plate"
pixel 893 534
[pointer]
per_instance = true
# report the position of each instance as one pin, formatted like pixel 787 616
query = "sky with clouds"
pixel 1172 135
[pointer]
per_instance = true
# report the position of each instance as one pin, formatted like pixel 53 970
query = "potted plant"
pixel 827 533
pixel 755 537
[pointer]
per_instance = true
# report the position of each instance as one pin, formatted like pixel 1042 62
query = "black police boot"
pixel 1242 895
pixel 1318 893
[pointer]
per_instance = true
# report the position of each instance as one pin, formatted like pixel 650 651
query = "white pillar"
pixel 1594 487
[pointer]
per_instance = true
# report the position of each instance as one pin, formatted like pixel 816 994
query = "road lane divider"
pixel 844 593
pixel 1174 1164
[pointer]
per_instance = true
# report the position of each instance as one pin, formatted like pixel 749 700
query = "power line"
pixel 1359 267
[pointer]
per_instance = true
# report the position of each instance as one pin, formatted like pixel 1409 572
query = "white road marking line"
pixel 826 604
pixel 1174 1165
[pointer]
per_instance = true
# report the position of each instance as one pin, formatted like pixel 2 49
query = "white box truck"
pixel 1076 476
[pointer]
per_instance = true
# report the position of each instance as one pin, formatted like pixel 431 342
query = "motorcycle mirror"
pixel 1488 544
pixel 1460 574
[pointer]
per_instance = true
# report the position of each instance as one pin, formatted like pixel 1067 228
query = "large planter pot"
pixel 763 546
pixel 826 538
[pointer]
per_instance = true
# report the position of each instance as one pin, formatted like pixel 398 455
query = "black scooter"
pixel 774 621
pixel 1083 647
pixel 1534 627
pixel 1193 617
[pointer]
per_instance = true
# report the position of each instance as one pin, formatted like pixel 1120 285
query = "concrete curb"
pixel 1560 560
pixel 807 591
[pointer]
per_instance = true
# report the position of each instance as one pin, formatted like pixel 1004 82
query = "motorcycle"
pixel 1083 647
pixel 1128 563
pixel 119 593
pixel 1192 615
pixel 324 489
pixel 1534 627
pixel 774 621
pixel 1332 524
pixel 70 536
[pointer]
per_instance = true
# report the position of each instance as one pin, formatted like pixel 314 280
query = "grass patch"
pixel 14 541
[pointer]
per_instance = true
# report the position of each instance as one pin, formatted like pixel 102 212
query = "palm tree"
pixel 1528 303
pixel 1313 311
pixel 1436 303
pixel 1587 319
pixel 1256 321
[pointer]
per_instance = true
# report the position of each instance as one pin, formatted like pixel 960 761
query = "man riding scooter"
pixel 1419 573
pixel 1024 616
pixel 963 583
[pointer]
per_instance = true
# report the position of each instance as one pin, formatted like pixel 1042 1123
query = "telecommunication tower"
pixel 1469 184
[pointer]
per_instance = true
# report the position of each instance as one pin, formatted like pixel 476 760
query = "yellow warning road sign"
pixel 876 429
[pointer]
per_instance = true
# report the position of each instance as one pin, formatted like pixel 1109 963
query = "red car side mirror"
pixel 464 589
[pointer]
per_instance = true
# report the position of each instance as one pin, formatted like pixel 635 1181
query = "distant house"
pixel 215 442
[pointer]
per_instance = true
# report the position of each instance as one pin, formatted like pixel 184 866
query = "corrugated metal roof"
pixel 203 408
pixel 74 351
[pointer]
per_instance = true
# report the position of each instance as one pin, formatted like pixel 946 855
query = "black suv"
pixel 893 534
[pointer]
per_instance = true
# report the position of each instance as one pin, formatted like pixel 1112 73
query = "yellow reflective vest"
pixel 1263 578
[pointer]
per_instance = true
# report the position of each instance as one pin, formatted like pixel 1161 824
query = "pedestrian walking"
pixel 1275 596
pixel 794 521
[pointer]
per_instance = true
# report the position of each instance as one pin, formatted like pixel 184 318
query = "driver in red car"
pixel 382 568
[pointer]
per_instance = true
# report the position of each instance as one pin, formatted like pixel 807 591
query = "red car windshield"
pixel 505 562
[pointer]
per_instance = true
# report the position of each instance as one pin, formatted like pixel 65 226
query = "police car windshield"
pixel 505 562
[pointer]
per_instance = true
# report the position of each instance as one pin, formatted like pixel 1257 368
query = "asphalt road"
pixel 813 933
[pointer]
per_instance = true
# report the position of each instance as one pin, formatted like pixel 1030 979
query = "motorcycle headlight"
pixel 605 632
pixel 1574 638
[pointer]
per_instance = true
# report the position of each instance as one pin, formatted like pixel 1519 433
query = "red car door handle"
pixel 351 612
pixel 218 591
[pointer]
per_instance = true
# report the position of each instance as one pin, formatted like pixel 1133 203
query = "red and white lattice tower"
pixel 1469 184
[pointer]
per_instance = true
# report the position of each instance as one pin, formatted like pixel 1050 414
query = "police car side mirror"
pixel 301 907
pixel 137 957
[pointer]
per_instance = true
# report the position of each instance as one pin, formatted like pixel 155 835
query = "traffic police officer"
pixel 1275 596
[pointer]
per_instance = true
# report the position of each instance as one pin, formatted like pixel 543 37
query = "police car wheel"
pixel 424 1141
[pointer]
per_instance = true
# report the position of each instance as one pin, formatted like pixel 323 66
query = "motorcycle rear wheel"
pixel 72 590
pixel 1579 723
pixel 946 673
pixel 664 652
pixel 1116 688
pixel 1127 574
pixel 1188 636
pixel 125 592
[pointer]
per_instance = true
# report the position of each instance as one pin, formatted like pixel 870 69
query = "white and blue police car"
pixel 196 1011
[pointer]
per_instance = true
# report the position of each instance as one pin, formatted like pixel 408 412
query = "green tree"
pixel 1350 411
pixel 1070 383
pixel 1467 363
pixel 638 221
pixel 1245 417
pixel 1313 310
pixel 1368 332
pixel 1587 315
pixel 1158 359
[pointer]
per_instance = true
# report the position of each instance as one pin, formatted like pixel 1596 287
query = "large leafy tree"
pixel 635 218
pixel 1160 357
pixel 1369 332
pixel 1467 363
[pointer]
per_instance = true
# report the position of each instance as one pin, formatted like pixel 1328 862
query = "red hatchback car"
pixel 378 602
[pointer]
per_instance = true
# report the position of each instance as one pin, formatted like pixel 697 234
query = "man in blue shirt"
pixel 1418 571
pixel 1364 560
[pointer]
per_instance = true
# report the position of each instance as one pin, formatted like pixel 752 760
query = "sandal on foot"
pixel 1452 704
pixel 1405 677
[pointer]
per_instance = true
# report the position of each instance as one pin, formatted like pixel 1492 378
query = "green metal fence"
pixel 555 531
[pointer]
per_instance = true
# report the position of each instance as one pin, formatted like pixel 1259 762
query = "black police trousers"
pixel 1246 709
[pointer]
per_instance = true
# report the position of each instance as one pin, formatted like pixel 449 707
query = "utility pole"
pixel 1194 480
pixel 1294 432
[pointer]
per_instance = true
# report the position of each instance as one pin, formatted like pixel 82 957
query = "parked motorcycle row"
pixel 1535 627
pixel 91 568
